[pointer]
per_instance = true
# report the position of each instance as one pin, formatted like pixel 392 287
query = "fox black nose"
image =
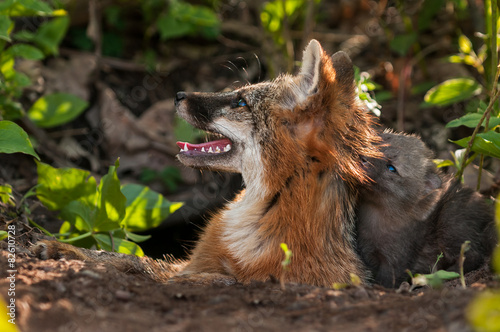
pixel 179 96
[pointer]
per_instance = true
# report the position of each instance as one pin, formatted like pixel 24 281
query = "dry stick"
pixel 473 137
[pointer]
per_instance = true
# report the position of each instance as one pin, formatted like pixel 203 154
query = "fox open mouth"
pixel 213 147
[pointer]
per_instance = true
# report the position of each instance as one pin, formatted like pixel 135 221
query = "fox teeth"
pixel 217 149
pixel 185 147
pixel 210 150
pixel 227 148
pixel 203 149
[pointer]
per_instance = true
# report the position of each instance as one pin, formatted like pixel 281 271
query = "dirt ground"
pixel 71 295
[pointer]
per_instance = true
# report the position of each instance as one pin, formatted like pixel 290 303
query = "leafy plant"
pixel 49 110
pixel 14 139
pixel 286 262
pixel 483 114
pixel 434 280
pixel 104 215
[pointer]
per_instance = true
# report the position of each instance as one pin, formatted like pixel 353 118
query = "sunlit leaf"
pixel 13 139
pixel 110 202
pixel 451 91
pixel 6 195
pixel 464 44
pixel 59 186
pixel 56 109
pixel 109 243
pixel 146 208
pixel 79 214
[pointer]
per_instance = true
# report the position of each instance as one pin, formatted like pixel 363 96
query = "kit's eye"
pixel 242 103
pixel 391 168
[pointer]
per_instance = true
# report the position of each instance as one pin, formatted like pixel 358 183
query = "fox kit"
pixel 411 213
pixel 297 142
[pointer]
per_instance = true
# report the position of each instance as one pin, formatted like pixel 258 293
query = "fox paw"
pixel 49 249
pixel 206 279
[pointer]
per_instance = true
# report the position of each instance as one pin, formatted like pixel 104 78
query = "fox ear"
pixel 310 70
pixel 344 71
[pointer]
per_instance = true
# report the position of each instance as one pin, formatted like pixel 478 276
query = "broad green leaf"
pixel 464 44
pixel 5 4
pixel 20 80
pixel 3 235
pixel 26 51
pixel 56 109
pixel 79 214
pixel 471 120
pixel 483 312
pixel 451 91
pixel 59 186
pixel 402 43
pixel 11 110
pixel 110 202
pixel 13 139
pixel 36 6
pixel 118 245
pixel 485 143
pixel 6 26
pixel 146 208
pixel 51 33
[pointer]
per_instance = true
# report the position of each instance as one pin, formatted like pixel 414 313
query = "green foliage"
pixel 183 19
pixel 434 280
pixel 14 139
pixel 483 313
pixel 56 109
pixel 101 215
pixel 486 143
pixel 53 109
pixel 366 88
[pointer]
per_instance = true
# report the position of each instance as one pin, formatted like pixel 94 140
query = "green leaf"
pixel 110 202
pixel 451 91
pixel 485 143
pixel 56 109
pixel 51 33
pixel 146 208
pixel 117 244
pixel 442 274
pixel 471 120
pixel 24 35
pixel 170 27
pixel 60 186
pixel 464 44
pixel 13 139
pixel 6 26
pixel 443 163
pixel 26 51
pixel 3 235
pixel 402 43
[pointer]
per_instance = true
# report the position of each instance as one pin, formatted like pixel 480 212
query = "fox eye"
pixel 391 168
pixel 242 103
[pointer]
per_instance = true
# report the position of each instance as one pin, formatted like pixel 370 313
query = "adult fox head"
pixel 271 131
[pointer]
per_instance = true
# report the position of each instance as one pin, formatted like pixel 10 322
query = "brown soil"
pixel 70 295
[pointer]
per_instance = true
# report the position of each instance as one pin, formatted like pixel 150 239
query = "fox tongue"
pixel 222 145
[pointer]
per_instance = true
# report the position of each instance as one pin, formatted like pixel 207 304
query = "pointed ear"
pixel 344 71
pixel 310 71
